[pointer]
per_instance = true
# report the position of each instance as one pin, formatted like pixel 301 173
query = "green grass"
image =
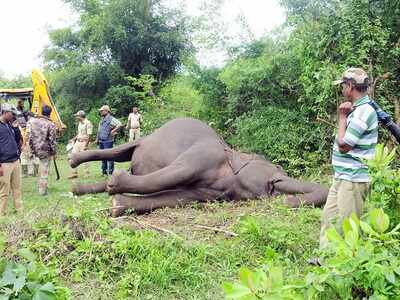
pixel 163 255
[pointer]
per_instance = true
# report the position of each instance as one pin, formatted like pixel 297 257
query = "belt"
pixel 81 140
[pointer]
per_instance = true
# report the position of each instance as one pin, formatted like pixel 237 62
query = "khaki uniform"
pixel 344 198
pixel 85 130
pixel 134 121
pixel 10 182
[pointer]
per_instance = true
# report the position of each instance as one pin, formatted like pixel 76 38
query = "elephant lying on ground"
pixel 185 161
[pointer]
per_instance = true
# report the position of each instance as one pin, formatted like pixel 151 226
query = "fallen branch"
pixel 215 229
pixel 326 122
pixel 108 208
pixel 148 225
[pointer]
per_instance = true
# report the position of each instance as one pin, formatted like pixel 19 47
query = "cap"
pixel 80 113
pixel 105 107
pixel 9 107
pixel 356 74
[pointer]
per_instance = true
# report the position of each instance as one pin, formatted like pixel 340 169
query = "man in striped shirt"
pixel 355 141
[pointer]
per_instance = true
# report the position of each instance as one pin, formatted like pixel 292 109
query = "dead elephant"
pixel 185 161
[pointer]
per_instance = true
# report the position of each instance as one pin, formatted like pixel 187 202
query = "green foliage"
pixel 115 39
pixel 28 279
pixel 363 264
pixel 285 137
pixel 385 186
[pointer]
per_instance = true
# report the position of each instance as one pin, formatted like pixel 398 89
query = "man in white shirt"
pixel 134 122
pixel 82 139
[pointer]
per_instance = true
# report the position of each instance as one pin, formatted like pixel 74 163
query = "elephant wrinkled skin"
pixel 185 161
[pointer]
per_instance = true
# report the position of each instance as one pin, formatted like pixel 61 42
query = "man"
pixel 42 141
pixel 355 141
pixel 108 129
pixel 27 160
pixel 134 122
pixel 10 167
pixel 82 139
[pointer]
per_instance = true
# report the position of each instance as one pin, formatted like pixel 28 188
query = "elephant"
pixel 186 161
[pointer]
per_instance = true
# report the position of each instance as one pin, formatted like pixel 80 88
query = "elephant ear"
pixel 270 185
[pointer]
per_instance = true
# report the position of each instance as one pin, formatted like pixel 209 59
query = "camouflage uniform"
pixel 42 141
pixel 28 162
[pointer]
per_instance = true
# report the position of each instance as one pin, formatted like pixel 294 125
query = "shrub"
pixel 385 186
pixel 285 137
pixel 364 264
pixel 28 279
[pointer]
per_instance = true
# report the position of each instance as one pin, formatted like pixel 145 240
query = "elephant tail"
pixel 93 188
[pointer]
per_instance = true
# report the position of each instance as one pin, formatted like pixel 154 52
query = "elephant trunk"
pixel 93 188
pixel 301 193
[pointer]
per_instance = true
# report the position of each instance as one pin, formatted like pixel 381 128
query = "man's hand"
pixel 1 171
pixel 345 108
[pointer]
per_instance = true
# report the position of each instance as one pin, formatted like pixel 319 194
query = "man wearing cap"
pixel 355 141
pixel 10 167
pixel 108 129
pixel 134 122
pixel 81 140
pixel 42 133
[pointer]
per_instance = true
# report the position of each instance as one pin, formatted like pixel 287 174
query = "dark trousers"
pixel 107 166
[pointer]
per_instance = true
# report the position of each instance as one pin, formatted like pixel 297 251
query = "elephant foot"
pixel 115 184
pixel 73 161
pixel 118 208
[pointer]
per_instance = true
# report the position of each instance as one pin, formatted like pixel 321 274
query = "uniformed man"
pixel 10 167
pixel 134 122
pixel 42 141
pixel 108 129
pixel 81 140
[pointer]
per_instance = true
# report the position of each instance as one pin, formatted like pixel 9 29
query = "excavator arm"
pixel 41 96
pixel 37 96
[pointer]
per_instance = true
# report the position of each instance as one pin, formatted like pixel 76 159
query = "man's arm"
pixel 117 126
pixel 128 125
pixel 89 131
pixel 344 110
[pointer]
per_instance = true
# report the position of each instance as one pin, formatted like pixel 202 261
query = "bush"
pixel 28 279
pixel 285 137
pixel 364 264
pixel 385 191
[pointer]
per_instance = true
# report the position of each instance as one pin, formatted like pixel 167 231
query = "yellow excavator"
pixel 37 96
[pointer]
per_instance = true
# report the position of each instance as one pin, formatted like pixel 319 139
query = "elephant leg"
pixel 184 171
pixel 170 177
pixel 301 193
pixel 147 203
pixel 120 153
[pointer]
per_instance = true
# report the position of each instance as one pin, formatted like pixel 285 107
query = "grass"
pixel 163 255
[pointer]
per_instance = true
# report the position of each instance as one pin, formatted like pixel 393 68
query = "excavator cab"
pixel 35 98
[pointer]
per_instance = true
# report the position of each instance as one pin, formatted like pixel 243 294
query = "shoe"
pixel 72 176
pixel 315 261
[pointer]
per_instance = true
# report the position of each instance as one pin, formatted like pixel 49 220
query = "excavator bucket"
pixel 41 96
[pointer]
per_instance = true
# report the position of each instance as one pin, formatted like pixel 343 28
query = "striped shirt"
pixel 362 135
